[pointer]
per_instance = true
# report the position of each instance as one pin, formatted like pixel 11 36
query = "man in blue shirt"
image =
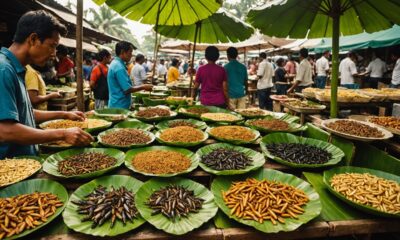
pixel 35 41
pixel 119 84
pixel 237 80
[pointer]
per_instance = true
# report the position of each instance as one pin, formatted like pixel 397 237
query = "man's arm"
pixel 43 116
pixel 225 89
pixel 37 99
pixel 195 88
pixel 14 132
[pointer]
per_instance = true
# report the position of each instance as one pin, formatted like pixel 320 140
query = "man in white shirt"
pixel 162 70
pixel 376 68
pixel 322 67
pixel 396 70
pixel 303 77
pixel 348 71
pixel 138 73
pixel 265 73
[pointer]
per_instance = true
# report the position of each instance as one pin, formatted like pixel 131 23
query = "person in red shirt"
pixel 98 79
pixel 64 66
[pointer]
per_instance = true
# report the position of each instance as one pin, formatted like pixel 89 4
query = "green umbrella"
pixel 164 12
pixel 221 27
pixel 325 18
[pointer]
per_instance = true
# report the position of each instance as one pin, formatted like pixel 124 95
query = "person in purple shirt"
pixel 213 81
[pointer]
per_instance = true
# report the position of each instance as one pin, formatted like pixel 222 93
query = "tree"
pixel 108 21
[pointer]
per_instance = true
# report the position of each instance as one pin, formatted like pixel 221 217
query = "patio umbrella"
pixel 220 27
pixel 325 18
pixel 164 12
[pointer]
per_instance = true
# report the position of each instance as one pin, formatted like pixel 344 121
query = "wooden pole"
pixel 79 56
pixel 156 42
pixel 335 57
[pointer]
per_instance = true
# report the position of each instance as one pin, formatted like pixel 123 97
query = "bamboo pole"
pixel 198 24
pixel 79 56
pixel 156 42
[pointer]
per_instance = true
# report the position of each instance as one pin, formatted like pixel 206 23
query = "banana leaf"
pixel 55 147
pixel 156 118
pixel 100 136
pixel 235 141
pixel 180 144
pixel 74 220
pixel 315 132
pixel 50 166
pixel 257 158
pixel 293 127
pixel 106 125
pixel 184 224
pixel 312 208
pixel 194 158
pixel 133 123
pixel 338 170
pixel 333 209
pixel 37 185
pixel 147 101
pixel 181 102
pixel 112 114
pixel 287 117
pixel 211 109
pixel 337 153
pixel 38 159
pixel 198 124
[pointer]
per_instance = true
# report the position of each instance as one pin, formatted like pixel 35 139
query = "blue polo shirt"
pixel 237 76
pixel 14 102
pixel 118 83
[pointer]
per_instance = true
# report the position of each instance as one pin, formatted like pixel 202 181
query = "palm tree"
pixel 108 21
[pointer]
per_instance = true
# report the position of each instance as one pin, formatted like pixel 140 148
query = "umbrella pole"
pixel 156 43
pixel 335 59
pixel 192 62
pixel 79 54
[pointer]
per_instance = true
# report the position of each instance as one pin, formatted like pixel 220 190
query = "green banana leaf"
pixel 50 166
pixel 312 208
pixel 37 185
pixel 182 110
pixel 287 117
pixel 147 101
pixel 112 114
pixel 338 170
pixel 257 158
pixel 55 147
pixel 155 119
pixel 194 158
pixel 181 144
pixel 315 132
pixel 74 220
pixel 333 209
pixel 184 224
pixel 182 102
pixel 106 125
pixel 337 153
pixel 235 141
pixel 293 127
pixel 100 136
pixel 198 124
pixel 133 123
pixel 38 159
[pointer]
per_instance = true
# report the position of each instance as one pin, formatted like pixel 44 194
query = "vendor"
pixel 303 77
pixel 119 84
pixel 173 71
pixel 138 73
pixel 64 66
pixel 35 41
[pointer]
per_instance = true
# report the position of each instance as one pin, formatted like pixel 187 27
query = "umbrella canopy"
pixel 325 18
pixel 220 27
pixel 164 12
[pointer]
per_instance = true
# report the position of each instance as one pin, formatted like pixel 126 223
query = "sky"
pixel 139 30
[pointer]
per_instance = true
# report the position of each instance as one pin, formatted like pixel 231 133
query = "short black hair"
pixel 212 53
pixel 263 55
pixel 174 62
pixel 103 54
pixel 232 52
pixel 280 62
pixel 139 57
pixel 61 49
pixel 304 52
pixel 123 46
pixel 40 22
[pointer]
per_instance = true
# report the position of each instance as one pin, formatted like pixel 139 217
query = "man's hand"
pixel 290 90
pixel 77 137
pixel 147 87
pixel 74 115
pixel 54 95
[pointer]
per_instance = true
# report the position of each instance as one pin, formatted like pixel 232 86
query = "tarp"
pixel 71 43
pixel 385 38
